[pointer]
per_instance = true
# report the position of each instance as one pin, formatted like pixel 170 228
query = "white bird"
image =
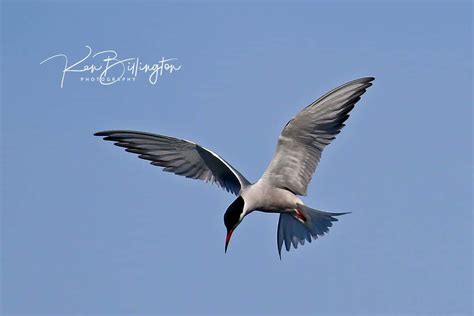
pixel 290 171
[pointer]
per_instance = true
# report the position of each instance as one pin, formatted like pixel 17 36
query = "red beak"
pixel 227 239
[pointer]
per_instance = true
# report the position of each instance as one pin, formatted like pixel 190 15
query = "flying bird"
pixel 296 157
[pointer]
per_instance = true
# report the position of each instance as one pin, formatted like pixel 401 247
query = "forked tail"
pixel 305 224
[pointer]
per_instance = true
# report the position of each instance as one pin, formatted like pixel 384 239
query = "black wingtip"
pixel 368 79
pixel 106 133
pixel 365 80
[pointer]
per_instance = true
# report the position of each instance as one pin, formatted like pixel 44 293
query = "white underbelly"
pixel 269 199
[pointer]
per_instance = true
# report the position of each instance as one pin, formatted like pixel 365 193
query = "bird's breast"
pixel 262 197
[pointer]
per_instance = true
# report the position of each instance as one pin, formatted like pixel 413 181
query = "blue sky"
pixel 88 229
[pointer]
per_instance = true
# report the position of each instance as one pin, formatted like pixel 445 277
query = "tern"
pixel 288 175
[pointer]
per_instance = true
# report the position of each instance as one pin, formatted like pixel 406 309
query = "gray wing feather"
pixel 179 156
pixel 304 137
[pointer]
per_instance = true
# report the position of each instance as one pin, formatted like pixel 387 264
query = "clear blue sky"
pixel 89 229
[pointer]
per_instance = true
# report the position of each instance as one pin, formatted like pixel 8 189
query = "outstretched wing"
pixel 179 156
pixel 305 136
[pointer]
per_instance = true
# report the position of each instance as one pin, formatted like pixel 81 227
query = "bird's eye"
pixel 233 214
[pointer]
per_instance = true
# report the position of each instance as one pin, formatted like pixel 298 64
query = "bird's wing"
pixel 305 136
pixel 179 156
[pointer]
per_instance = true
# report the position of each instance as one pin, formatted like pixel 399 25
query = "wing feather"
pixel 304 137
pixel 179 156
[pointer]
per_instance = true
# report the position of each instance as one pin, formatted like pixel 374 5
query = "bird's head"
pixel 232 218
